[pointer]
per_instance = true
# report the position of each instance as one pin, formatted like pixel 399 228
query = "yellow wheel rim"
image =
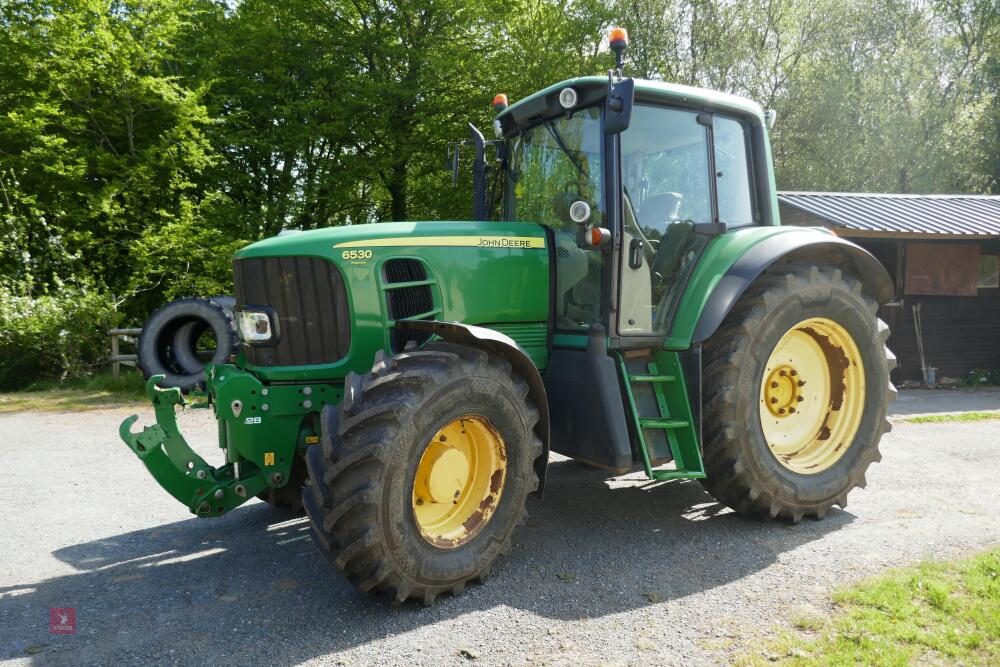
pixel 812 395
pixel 459 481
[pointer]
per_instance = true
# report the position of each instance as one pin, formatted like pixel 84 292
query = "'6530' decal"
pixel 356 254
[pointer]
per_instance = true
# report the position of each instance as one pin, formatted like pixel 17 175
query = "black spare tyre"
pixel 169 339
pixel 189 352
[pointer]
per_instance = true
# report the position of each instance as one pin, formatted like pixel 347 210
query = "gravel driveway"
pixel 606 572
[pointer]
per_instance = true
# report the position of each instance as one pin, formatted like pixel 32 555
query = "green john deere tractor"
pixel 634 304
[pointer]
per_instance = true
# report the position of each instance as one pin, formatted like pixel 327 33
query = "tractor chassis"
pixel 262 428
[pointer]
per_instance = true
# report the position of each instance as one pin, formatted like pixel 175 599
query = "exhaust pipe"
pixel 480 210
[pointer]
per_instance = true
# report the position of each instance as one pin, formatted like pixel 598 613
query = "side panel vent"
pixel 409 301
pixel 403 271
pixel 406 300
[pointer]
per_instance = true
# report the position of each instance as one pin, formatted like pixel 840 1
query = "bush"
pixel 55 336
pixel 979 377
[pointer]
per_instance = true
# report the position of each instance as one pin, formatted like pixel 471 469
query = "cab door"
pixel 685 178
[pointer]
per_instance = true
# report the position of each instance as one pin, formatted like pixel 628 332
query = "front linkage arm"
pixel 207 491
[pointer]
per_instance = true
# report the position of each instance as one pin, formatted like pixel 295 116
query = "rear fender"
pixel 817 248
pixel 503 346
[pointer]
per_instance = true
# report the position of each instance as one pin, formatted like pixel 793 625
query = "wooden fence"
pixel 117 358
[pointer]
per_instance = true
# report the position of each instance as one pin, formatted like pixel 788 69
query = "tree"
pixel 101 141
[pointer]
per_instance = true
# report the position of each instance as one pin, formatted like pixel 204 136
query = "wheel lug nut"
pixel 791 409
pixel 800 399
pixel 782 373
pixel 774 385
pixel 773 401
pixel 420 501
pixel 802 383
pixel 781 411
pixel 795 372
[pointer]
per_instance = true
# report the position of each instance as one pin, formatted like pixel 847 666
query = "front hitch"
pixel 207 491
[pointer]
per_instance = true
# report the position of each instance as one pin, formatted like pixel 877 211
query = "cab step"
pixel 651 378
pixel 663 423
pixel 675 417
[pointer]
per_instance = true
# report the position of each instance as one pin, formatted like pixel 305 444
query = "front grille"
pixel 310 298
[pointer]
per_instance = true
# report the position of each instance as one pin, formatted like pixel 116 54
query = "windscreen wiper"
pixel 550 126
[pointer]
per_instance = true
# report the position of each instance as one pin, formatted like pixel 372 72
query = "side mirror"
pixel 618 109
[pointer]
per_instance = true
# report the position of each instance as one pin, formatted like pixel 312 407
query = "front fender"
pixel 506 347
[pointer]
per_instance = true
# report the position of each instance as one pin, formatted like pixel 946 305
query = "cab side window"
pixel 732 172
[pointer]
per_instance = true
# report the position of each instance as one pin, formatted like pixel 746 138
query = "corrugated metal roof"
pixel 913 214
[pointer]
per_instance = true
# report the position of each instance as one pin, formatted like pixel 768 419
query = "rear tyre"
pixel 423 471
pixel 795 389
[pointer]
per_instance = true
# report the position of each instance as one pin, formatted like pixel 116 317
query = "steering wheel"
pixel 671 251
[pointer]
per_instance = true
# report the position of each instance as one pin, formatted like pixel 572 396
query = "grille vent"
pixel 403 271
pixel 406 302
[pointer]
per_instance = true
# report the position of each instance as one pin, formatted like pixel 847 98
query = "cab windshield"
pixel 551 165
pixel 554 162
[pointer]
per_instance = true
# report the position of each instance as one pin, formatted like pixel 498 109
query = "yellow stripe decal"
pixel 450 241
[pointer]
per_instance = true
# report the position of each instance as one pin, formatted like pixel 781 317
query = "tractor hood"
pixel 400 237
pixel 362 281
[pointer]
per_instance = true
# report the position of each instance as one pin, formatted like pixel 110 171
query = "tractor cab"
pixel 631 205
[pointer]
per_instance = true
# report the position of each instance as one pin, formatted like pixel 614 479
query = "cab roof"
pixel 590 87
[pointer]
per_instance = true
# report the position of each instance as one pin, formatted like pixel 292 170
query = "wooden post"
pixel 115 364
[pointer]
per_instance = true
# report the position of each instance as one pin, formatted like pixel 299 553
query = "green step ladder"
pixel 675 417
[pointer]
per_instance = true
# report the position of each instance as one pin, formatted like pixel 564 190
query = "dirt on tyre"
pixel 795 391
pixel 423 471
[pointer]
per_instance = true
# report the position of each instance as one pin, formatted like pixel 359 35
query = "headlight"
pixel 257 326
pixel 568 98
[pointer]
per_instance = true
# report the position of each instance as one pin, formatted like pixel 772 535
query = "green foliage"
pixel 103 143
pixel 952 417
pixel 59 335
pixel 934 613
pixel 142 141
pixel 980 377
pixel 77 393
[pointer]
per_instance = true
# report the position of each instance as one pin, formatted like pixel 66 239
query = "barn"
pixel 942 253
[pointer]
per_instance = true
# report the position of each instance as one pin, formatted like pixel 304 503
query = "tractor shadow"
pixel 251 583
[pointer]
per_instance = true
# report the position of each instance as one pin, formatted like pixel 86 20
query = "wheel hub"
pixel 458 481
pixel 812 395
pixel 782 391
pixel 446 475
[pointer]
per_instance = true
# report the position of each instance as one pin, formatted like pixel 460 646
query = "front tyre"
pixel 423 471
pixel 796 389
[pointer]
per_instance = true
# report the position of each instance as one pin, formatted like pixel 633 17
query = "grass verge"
pixel 933 613
pixel 99 391
pixel 952 417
